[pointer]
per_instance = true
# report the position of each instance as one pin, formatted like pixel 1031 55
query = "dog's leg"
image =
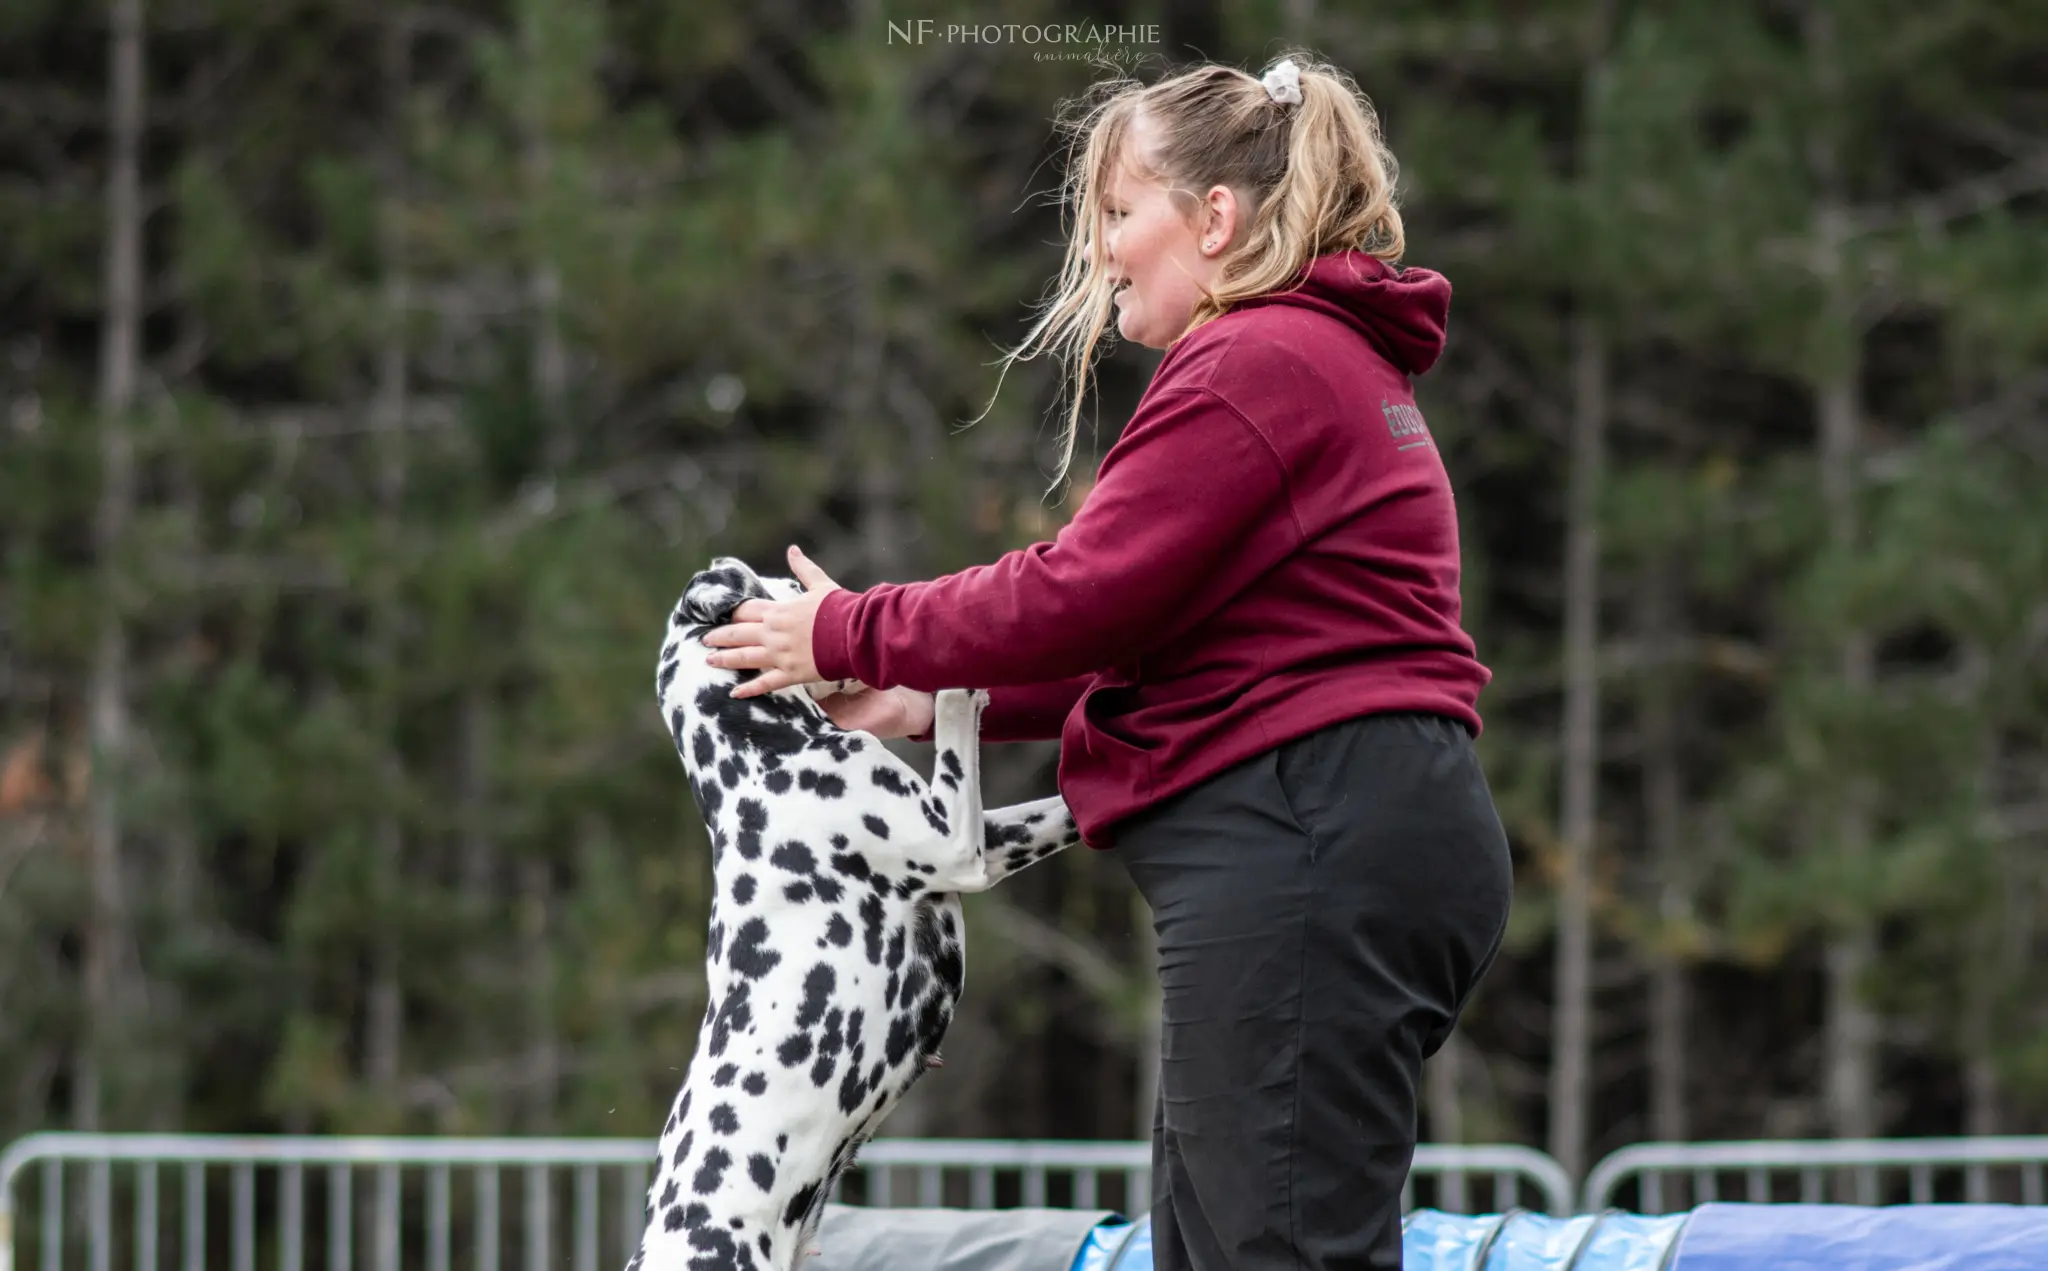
pixel 956 789
pixel 1024 834
pixel 983 848
pixel 956 768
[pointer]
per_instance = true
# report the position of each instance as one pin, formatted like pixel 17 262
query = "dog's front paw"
pixel 959 707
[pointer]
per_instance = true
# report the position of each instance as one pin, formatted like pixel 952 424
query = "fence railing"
pixel 204 1201
pixel 1448 1170
pixel 1655 1178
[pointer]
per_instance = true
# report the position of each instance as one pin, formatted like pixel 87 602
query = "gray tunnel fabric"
pixel 857 1238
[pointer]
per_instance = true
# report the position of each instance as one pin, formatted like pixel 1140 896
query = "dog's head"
pixel 686 681
pixel 715 592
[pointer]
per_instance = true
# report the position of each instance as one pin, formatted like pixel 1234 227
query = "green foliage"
pixel 668 281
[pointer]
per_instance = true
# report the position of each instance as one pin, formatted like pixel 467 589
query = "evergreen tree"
pixel 372 377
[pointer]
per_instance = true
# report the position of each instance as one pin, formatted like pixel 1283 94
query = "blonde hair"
pixel 1315 177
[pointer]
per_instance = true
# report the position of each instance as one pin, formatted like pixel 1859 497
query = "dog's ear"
pixel 712 595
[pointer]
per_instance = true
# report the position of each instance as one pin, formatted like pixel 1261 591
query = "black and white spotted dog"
pixel 835 952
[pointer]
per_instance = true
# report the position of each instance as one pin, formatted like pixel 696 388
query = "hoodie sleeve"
pixel 1191 505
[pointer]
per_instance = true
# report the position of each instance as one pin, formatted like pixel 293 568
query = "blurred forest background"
pixel 373 375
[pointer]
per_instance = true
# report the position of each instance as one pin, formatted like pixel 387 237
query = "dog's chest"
pixel 819 937
pixel 832 966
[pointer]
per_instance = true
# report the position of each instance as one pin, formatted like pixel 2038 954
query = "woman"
pixel 1248 642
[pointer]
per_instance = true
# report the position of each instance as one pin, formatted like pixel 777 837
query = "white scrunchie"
pixel 1283 83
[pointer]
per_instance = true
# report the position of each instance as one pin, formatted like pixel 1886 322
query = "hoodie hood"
pixel 1404 313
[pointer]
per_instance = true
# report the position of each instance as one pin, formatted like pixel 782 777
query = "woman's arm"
pixel 1191 507
pixel 1022 712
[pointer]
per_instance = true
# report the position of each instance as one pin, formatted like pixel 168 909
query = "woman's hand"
pixel 894 712
pixel 774 636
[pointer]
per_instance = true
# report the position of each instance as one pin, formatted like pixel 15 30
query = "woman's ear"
pixel 1219 216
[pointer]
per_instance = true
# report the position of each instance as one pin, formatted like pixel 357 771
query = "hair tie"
pixel 1283 83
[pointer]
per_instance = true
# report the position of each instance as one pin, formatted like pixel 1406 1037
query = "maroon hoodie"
pixel 1271 547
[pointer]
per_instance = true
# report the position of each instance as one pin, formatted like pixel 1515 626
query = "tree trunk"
pixel 1443 1079
pixel 1664 805
pixel 1852 1029
pixel 543 1057
pixel 882 530
pixel 881 456
pixel 108 720
pixel 1992 944
pixel 538 971
pixel 1443 1091
pixel 384 1031
pixel 1571 1041
pixel 1983 1111
pixel 477 873
pixel 544 285
pixel 1572 1017
pixel 1852 1026
pixel 1850 1080
pixel 177 888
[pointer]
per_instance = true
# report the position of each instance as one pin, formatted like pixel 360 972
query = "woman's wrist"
pixel 920 712
pixel 828 636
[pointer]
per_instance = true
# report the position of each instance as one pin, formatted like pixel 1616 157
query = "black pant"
pixel 1323 911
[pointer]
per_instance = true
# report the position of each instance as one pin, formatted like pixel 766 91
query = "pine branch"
pixel 230 572
pixel 1971 197
pixel 1623 657
pixel 51 104
pixel 519 1074
pixel 1081 960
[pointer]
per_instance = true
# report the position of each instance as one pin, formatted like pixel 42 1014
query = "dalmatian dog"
pixel 835 953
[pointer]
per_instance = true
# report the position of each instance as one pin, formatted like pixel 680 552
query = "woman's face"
pixel 1159 261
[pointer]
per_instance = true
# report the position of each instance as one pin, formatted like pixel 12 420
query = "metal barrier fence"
pixel 194 1201
pixel 1668 1176
pixel 529 1203
pixel 1447 1170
